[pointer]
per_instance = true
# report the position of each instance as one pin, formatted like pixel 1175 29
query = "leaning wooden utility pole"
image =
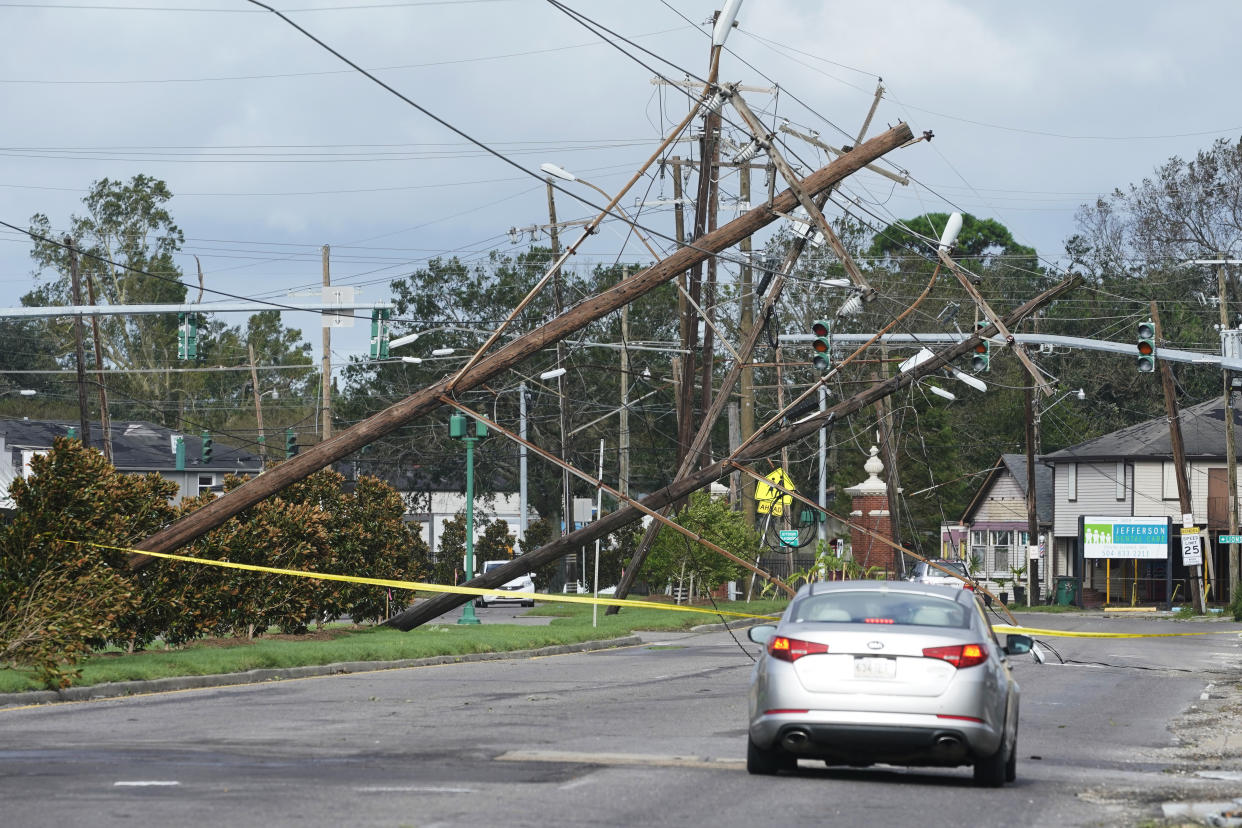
pixel 76 286
pixel 505 357
pixel 258 405
pixel 105 420
pixel 708 423
pixel 1032 499
pixel 697 479
pixel 558 298
pixel 1231 450
pixel 326 380
pixel 746 323
pixel 1179 456
pixel 710 169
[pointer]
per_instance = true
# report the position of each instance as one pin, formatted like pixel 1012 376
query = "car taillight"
pixel 968 585
pixel 792 649
pixel 959 655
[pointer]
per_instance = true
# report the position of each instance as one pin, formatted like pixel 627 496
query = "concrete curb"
pixel 118 689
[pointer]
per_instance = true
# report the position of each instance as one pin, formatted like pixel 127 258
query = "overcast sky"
pixel 274 147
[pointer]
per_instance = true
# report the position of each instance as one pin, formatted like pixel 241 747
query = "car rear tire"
pixel 767 762
pixel 1011 766
pixel 993 771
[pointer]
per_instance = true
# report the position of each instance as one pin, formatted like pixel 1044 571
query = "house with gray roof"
pixel 1129 475
pixel 994 527
pixel 137 448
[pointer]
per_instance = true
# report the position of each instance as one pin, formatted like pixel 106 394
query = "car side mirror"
pixel 1017 644
pixel 761 633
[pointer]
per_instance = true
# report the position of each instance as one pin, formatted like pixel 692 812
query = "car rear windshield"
pixel 859 607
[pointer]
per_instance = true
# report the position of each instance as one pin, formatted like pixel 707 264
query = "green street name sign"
pixel 1229 539
pixel 789 537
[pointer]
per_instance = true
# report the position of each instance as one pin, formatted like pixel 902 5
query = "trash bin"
pixel 1067 585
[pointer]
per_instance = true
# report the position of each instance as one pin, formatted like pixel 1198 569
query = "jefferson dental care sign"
pixel 1130 538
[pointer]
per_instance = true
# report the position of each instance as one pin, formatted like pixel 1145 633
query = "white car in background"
pixel 925 573
pixel 522 583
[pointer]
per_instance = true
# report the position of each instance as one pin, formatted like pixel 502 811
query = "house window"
pixel 1002 542
pixel 1071 482
pixel 979 546
pixel 205 482
pixel 1121 480
pixel 1168 480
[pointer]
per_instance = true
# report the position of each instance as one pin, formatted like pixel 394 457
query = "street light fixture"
pixel 565 175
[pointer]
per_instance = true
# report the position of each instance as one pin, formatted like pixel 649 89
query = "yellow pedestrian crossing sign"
pixel 770 500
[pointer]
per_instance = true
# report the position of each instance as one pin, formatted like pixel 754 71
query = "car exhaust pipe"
pixel 948 744
pixel 795 740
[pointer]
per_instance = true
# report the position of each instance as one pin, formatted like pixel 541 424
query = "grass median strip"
pixel 571 625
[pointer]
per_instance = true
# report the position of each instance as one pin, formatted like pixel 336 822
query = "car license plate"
pixel 875 668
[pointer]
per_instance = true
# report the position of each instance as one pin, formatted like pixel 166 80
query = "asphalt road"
pixel 650 735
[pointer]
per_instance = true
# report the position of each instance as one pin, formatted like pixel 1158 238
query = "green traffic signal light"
pixel 291 443
pixel 208 448
pixel 1146 362
pixel 982 359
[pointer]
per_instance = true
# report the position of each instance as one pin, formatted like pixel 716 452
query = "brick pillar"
pixel 870 510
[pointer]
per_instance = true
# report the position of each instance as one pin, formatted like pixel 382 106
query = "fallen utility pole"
pixel 759 448
pixel 577 317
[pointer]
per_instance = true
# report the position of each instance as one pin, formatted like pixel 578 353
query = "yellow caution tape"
pixel 418 585
pixel 1071 634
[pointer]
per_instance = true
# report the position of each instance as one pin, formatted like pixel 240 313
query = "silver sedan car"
pixel 860 672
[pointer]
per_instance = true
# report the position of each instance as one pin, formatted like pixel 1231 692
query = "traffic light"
pixel 983 351
pixel 379 333
pixel 822 328
pixel 187 335
pixel 207 448
pixel 291 443
pixel 1146 347
pixel 459 427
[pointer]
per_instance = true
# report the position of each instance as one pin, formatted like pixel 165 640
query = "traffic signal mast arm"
pixel 1056 340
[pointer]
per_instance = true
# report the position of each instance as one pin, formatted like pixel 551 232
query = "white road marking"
pixel 146 783
pixel 644 759
pixel 412 789
pixel 1206 694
